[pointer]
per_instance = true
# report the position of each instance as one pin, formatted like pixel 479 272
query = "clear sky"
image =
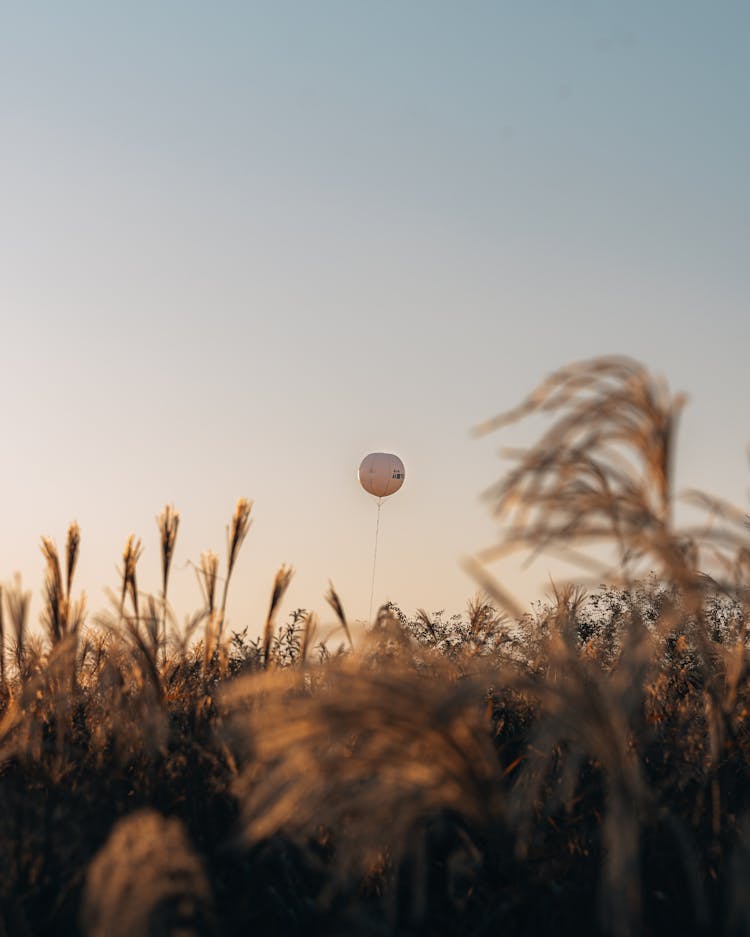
pixel 243 244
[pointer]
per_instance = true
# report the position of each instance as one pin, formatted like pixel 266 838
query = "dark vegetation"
pixel 580 768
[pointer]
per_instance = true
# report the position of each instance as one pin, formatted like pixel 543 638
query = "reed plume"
pixel 602 475
pixel 372 754
pixel 334 601
pixel 236 533
pixel 309 630
pixel 54 614
pixel 168 522
pixel 17 602
pixel 61 616
pixel 207 576
pixel 146 640
pixel 72 546
pixel 280 585
pixel 130 556
pixel 147 879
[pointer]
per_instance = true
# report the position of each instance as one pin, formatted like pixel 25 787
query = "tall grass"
pixel 581 765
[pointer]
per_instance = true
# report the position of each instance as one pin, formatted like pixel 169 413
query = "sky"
pixel 244 244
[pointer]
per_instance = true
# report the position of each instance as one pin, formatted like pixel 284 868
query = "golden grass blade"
pixel 280 585
pixel 54 612
pixel 207 578
pixel 72 547
pixel 168 522
pixel 309 630
pixel 131 555
pixel 236 533
pixel 335 602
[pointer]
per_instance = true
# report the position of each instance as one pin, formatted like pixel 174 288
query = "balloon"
pixel 381 473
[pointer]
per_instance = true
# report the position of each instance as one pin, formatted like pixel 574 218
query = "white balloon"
pixel 381 474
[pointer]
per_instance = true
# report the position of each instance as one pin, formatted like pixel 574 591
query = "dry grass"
pixel 280 585
pixel 366 754
pixel 602 475
pixel 146 879
pixel 586 762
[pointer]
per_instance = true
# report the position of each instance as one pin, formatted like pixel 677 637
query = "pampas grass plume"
pixel 146 880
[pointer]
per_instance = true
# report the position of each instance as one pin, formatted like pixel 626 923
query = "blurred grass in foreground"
pixel 582 767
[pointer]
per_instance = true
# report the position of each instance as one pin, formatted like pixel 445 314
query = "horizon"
pixel 245 246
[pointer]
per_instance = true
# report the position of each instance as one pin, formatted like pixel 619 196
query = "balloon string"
pixel 374 558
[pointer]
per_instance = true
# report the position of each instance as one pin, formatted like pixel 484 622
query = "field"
pixel 578 768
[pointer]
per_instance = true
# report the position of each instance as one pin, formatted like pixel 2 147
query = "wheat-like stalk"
pixel 236 533
pixel 54 614
pixel 280 585
pixel 18 611
pixel 130 556
pixel 309 630
pixel 168 522
pixel 332 597
pixel 72 546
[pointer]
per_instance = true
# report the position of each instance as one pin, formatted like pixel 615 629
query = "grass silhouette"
pixel 582 766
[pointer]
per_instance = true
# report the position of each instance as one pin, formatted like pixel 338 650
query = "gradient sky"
pixel 243 244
